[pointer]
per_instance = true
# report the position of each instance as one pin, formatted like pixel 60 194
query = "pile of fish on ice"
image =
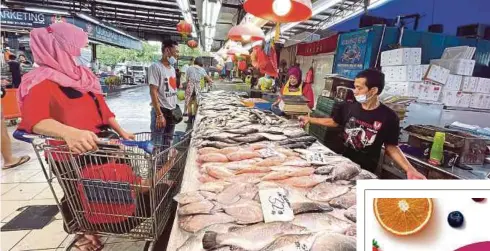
pixel 244 150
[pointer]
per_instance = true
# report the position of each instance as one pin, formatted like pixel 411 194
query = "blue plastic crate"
pixel 263 106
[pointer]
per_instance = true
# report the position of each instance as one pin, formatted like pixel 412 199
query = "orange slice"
pixel 403 216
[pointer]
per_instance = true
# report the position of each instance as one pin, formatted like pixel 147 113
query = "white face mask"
pixel 172 60
pixel 362 98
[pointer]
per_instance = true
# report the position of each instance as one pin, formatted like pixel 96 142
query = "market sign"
pixel 351 53
pixel 23 18
pixel 96 32
pixel 325 45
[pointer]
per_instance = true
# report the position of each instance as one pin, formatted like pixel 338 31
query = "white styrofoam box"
pixel 456 66
pixel 483 85
pixel 458 52
pixel 406 89
pixel 430 91
pixel 403 56
pixel 402 73
pixel 479 100
pixel 453 83
pixel 423 70
pixel 437 74
pixel 455 98
pixel 469 84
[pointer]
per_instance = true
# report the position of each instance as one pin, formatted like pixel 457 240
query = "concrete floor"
pixel 26 185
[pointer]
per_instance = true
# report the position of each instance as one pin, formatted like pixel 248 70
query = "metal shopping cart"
pixel 124 189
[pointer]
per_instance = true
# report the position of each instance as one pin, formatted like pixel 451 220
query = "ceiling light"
pixel 281 7
pixel 43 10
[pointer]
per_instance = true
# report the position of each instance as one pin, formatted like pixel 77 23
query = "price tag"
pixel 275 205
pixel 316 158
pixel 268 152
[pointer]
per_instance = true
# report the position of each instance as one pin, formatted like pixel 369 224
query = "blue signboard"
pixel 351 53
pixel 96 32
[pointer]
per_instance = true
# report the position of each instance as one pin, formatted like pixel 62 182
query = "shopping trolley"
pixel 123 189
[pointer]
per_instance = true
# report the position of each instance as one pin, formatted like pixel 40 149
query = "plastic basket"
pixel 264 106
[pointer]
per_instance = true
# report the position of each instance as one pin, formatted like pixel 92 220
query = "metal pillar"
pixel 366 5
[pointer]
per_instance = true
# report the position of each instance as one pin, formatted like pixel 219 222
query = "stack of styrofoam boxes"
pixel 403 72
pixel 434 79
pixel 462 89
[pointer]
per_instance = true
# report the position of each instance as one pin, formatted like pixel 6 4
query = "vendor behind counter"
pixel 368 125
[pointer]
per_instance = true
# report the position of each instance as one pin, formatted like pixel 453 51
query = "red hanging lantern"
pixel 242 65
pixel 246 32
pixel 192 44
pixel 281 11
pixel 184 28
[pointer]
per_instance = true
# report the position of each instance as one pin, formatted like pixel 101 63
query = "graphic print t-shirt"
pixel 365 132
pixel 165 79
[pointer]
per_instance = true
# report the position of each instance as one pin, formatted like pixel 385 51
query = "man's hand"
pixel 304 120
pixel 127 135
pixel 415 175
pixel 161 122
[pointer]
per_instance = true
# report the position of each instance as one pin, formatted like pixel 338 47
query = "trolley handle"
pixel 146 145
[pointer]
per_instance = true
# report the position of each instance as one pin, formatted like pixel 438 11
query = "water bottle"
pixel 437 150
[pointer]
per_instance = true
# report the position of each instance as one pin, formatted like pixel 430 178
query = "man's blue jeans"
pixel 161 137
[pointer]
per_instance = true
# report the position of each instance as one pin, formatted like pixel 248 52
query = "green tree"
pixel 110 55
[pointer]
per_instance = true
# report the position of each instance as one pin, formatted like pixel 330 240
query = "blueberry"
pixel 455 219
pixel 478 199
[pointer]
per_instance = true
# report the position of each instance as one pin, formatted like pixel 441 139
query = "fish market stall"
pixel 257 181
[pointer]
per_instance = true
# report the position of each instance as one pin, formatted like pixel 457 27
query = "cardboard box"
pixel 406 89
pixel 437 74
pixel 456 98
pixel 456 66
pixel 453 83
pixel 458 52
pixel 430 91
pixel 402 73
pixel 403 56
pixel 483 85
pixel 469 84
pixel 479 100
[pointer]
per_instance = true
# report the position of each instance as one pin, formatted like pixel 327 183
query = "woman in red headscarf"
pixel 295 87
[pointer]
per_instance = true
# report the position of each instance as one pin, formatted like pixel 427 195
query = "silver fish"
pixel 253 237
pixel 194 242
pixel 334 242
pixel 351 213
pixel 326 191
pixel 273 137
pixel 295 133
pixel 245 211
pixel 365 175
pixel 309 207
pixel 344 201
pixel 242 131
pixel 317 222
pixel 190 197
pixel 290 242
pixel 196 222
pixel 252 138
pixel 200 207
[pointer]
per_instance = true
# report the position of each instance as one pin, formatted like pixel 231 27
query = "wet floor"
pixel 132 109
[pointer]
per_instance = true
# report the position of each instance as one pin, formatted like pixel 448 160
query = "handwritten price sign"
pixel 275 205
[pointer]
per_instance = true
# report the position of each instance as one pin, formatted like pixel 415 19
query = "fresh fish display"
pixel 344 201
pixel 196 222
pixel 208 195
pixel 291 241
pixel 206 150
pixel 295 133
pixel 300 145
pixel 212 157
pixel 200 207
pixel 276 175
pixel 204 178
pixel 245 211
pixel 365 175
pixel 242 131
pixel 351 213
pixel 253 237
pixel 334 242
pixel 242 155
pixel 246 178
pixel 309 207
pixel 298 163
pixel 186 198
pixel 339 213
pixel 326 191
pixel 304 181
pixel 254 169
pixel 216 144
pixel 214 187
pixel 352 231
pixel 317 222
pixel 252 138
pixel 230 194
pixel 194 243
pixel 228 150
pixel 271 161
pixel 219 172
pixel 273 137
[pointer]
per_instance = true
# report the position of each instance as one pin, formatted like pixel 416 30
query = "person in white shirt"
pixel 163 91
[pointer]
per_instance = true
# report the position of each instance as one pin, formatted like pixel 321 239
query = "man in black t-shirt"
pixel 368 124
pixel 14 68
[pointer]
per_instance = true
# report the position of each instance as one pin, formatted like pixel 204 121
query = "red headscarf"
pixel 53 49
